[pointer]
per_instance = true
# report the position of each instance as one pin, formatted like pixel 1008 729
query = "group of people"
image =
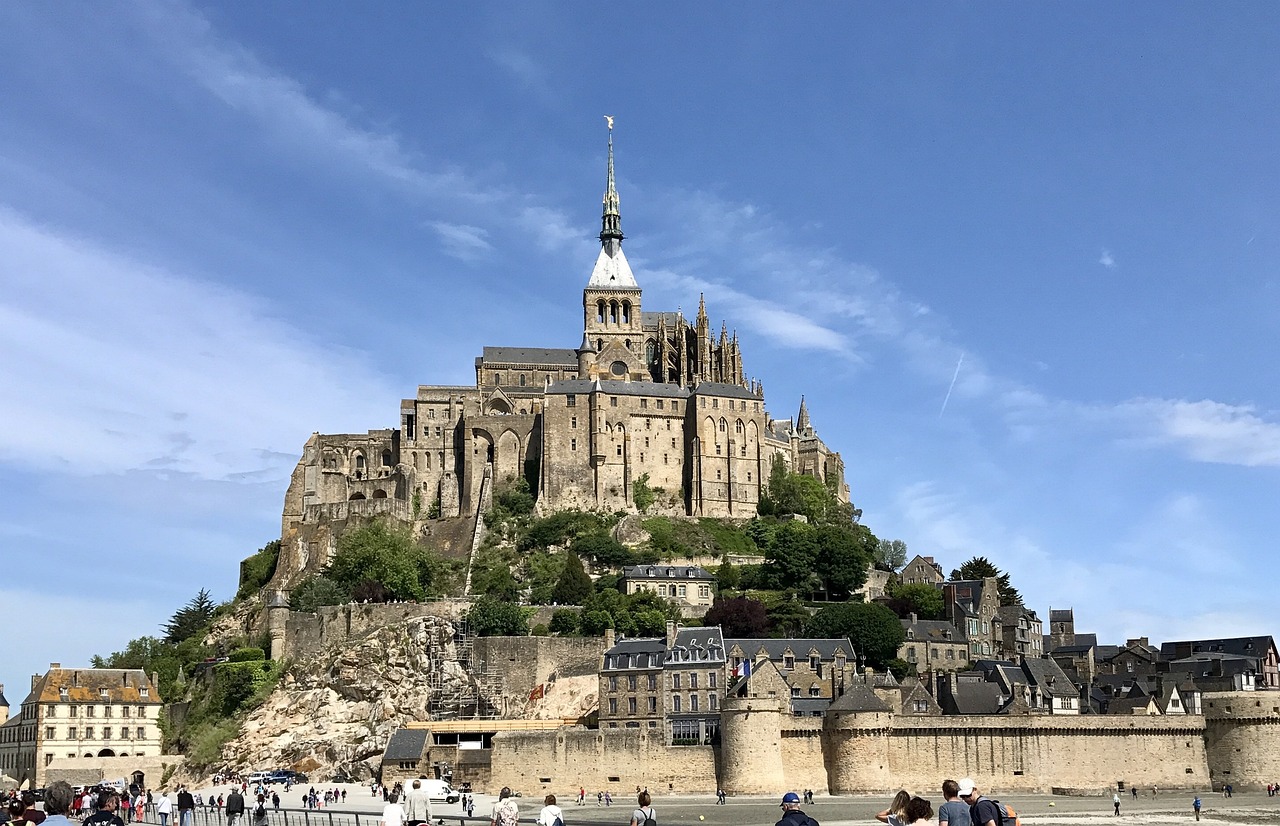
pixel 963 805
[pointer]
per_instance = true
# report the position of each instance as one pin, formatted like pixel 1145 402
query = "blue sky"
pixel 225 226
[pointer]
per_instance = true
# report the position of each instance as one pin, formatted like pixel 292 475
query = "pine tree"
pixel 574 584
pixel 191 619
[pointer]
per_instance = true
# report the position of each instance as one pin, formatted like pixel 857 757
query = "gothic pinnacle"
pixel 611 221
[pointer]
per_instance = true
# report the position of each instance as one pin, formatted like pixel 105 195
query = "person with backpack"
pixel 550 814
pixel 506 812
pixel 982 811
pixel 645 814
pixel 260 811
pixel 791 814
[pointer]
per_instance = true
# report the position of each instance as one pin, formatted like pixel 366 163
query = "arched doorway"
pixel 107 753
pixel 357 496
pixel 379 494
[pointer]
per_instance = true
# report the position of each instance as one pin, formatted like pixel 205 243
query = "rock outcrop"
pixel 332 715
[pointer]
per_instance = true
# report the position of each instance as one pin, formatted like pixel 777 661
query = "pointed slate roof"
pixel 858 698
pixel 611 272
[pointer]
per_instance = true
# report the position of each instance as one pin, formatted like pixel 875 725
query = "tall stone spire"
pixel 611 221
pixel 611 271
pixel 802 420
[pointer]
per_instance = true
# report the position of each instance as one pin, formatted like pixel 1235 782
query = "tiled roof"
pixel 977 698
pixel 406 744
pixel 932 631
pixel 642 653
pixel 558 356
pixel 716 388
pixel 698 644
pixel 87 685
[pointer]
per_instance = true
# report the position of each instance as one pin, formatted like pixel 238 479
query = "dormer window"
pixel 104 693
pixel 63 693
pixel 142 692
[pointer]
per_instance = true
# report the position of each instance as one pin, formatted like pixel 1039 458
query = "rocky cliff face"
pixel 333 715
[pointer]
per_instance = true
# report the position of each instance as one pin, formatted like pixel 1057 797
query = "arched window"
pixel 723 425
pixel 738 428
pixel 600 311
pixel 613 312
pixel 522 379
pixel 379 494
pixel 651 351
pixel 357 496
pixel 359 461
pixel 626 312
pixel 386 458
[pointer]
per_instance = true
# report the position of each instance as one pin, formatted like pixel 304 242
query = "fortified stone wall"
pixel 82 771
pixel 1242 738
pixel 307 634
pixel 1034 753
pixel 618 760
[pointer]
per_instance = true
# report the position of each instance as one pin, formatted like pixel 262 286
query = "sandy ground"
pixel 1169 807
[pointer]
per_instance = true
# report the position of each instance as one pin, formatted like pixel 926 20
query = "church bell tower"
pixel 612 324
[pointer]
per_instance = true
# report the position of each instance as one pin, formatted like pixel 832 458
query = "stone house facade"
pixel 973 605
pixel 933 645
pixel 651 396
pixel 81 713
pixel 921 570
pixel 682 584
pixel 1020 632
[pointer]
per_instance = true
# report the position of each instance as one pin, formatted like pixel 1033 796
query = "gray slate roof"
pixel 641 653
pixel 683 573
pixel 617 388
pixel 775 648
pixel 558 356
pixel 701 644
pixel 406 744
pixel 977 698
pixel 932 631
pixel 857 697
pixel 716 388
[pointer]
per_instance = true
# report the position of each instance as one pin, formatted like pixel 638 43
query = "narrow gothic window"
pixel 522 379
pixel 573 444
pixel 571 401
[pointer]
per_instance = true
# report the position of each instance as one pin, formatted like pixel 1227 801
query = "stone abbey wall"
pixel 526 662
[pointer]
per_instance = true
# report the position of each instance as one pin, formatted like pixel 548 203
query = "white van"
pixel 437 790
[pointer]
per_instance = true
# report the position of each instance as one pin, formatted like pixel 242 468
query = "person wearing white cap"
pixel 791 814
pixel 982 812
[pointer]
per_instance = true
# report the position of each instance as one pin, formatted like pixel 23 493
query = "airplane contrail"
pixel 954 376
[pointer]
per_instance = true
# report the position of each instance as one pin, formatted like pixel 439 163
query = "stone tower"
pixel 612 322
pixel 751 731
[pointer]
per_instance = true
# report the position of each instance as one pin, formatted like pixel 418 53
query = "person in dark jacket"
pixel 106 804
pixel 791 814
pixel 235 807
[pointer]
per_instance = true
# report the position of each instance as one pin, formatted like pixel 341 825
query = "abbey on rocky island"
pixel 645 394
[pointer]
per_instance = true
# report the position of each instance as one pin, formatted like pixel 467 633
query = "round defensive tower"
pixel 1242 737
pixel 751 745
pixel 858 751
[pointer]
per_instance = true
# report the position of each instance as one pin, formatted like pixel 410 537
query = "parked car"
pixel 285 776
pixel 257 777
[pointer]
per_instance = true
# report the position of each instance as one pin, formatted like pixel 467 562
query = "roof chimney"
pixel 609 638
pixel 671 633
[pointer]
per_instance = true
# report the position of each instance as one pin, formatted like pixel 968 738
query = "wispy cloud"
pixel 528 72
pixel 114 364
pixel 466 243
pixel 1107 260
pixel 1208 431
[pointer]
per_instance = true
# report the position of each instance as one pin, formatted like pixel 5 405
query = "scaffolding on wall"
pixel 471 697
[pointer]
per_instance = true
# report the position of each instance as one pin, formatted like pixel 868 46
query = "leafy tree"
pixel 602 548
pixel 315 591
pixel 496 582
pixel 642 494
pixel 921 599
pixel 191 619
pixel 788 618
pixel 385 554
pixel 728 577
pixel 565 622
pixel 844 553
pixel 739 617
pixel 980 568
pixel 891 554
pixel 257 570
pixel 874 630
pixel 490 618
pixel 790 560
pixel 596 622
pixel 560 528
pixel 574 586
pixel 514 498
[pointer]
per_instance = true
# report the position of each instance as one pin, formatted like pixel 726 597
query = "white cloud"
pixel 1208 431
pixel 466 243
pixel 112 364
pixel 1107 260
pixel 527 72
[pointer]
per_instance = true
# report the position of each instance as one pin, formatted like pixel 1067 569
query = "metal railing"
pixel 206 816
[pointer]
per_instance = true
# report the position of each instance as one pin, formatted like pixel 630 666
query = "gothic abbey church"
pixel 645 394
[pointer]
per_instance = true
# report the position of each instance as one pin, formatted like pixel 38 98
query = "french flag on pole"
pixel 742 669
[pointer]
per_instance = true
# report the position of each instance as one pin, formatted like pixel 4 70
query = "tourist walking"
pixel 417 804
pixel 393 812
pixel 1195 805
pixel 164 808
pixel 982 811
pixel 235 807
pixel 1115 801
